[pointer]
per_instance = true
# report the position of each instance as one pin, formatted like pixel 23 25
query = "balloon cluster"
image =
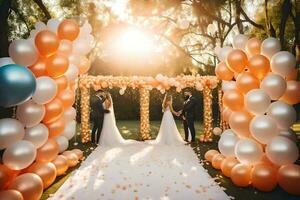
pixel 39 78
pixel 159 82
pixel 260 148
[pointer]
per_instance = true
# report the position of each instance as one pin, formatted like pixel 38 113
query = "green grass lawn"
pixel 130 130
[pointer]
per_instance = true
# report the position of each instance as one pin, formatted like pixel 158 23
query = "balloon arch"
pixel 145 84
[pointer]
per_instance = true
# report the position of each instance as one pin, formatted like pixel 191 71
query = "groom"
pixel 188 115
pixel 98 115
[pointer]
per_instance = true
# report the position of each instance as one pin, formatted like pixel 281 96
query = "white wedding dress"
pixel 168 133
pixel 110 134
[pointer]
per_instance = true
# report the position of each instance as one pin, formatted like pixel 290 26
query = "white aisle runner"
pixel 141 171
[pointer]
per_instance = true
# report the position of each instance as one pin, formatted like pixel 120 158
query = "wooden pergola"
pixel 145 84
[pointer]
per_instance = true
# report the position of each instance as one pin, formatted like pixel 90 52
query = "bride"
pixel 168 133
pixel 110 134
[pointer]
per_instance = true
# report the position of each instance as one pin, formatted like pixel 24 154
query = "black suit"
pixel 97 116
pixel 188 113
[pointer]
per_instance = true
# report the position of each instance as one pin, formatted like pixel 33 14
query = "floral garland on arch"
pixel 145 84
pixel 160 82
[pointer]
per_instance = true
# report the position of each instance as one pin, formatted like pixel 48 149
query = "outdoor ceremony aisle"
pixel 141 171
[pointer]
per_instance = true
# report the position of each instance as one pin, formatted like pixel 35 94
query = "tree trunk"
pixel 238 16
pixel 270 29
pixel 4 13
pixel 43 8
pixel 286 9
pixel 296 20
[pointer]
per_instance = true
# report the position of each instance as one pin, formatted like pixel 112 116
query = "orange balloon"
pixel 288 178
pixel 61 164
pixel 6 176
pixel 57 65
pixel 246 82
pixel 46 171
pixel 241 175
pixel 29 185
pixel 67 97
pixel 293 75
pixel 253 46
pixel 11 195
pixel 217 161
pixel 259 66
pixel 72 158
pixel 39 68
pixel 292 93
pixel 78 152
pixel 210 154
pixel 223 72
pixel 68 29
pixel 239 123
pixel 261 173
pixel 46 42
pixel 84 65
pixel 228 164
pixel 236 60
pixel 56 127
pixel 48 151
pixel 234 100
pixel 65 48
pixel 54 110
pixel 62 84
pixel 226 114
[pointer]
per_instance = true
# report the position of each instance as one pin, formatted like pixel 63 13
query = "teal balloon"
pixel 17 85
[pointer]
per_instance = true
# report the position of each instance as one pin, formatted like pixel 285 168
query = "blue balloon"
pixel 17 85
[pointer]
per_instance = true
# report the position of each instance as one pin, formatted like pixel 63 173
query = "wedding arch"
pixel 145 84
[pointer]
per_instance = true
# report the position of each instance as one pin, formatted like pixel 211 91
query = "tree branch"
pixel 43 8
pixel 20 15
pixel 251 21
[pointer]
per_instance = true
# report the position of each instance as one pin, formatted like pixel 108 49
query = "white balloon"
pixel 30 113
pixel 224 52
pixel 33 33
pixel 257 101
pixel 284 114
pixel 53 24
pixel 228 132
pixel 46 89
pixel 19 155
pixel 239 41
pixel 227 144
pixel 72 73
pixel 274 85
pixel 23 52
pixel 282 151
pixel 263 128
pixel 63 143
pixel 81 46
pixel 270 46
pixel 37 135
pixel 69 114
pixel 6 61
pixel 248 151
pixel 11 131
pixel 283 63
pixel 39 26
pixel 228 85
pixel 70 130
